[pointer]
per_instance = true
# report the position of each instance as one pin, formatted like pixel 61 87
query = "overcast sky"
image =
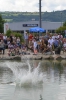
pixel 32 5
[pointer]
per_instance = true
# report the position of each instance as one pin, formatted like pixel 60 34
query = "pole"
pixel 61 22
pixel 40 13
pixel 61 19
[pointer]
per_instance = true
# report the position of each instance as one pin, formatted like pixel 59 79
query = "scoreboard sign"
pixel 30 25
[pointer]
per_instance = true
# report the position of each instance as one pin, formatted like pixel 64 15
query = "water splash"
pixel 30 78
pixel 25 77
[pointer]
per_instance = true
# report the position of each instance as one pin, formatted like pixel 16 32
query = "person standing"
pixel 11 38
pixel 26 38
pixel 2 46
pixel 30 37
pixel 35 46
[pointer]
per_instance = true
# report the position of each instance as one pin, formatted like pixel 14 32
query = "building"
pixel 25 26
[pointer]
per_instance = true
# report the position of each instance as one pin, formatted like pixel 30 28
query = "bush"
pixel 18 35
pixel 9 32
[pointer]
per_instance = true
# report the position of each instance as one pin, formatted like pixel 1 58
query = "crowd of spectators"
pixel 46 43
pixel 34 43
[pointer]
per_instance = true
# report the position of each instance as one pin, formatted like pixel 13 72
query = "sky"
pixel 32 5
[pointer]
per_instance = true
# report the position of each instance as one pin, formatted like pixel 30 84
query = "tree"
pixel 9 32
pixel 64 24
pixel 1 24
pixel 62 29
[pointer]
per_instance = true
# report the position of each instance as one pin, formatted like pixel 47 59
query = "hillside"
pixel 55 16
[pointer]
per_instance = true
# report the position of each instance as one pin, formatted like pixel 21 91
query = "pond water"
pixel 33 80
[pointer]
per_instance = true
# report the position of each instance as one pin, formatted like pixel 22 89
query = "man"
pixel 35 46
pixel 1 36
pixel 30 37
pixel 2 46
pixel 26 38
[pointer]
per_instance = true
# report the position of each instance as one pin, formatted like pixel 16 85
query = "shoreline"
pixel 31 56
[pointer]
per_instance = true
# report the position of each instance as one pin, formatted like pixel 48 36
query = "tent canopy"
pixel 37 29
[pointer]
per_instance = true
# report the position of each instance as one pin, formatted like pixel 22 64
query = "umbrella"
pixel 37 29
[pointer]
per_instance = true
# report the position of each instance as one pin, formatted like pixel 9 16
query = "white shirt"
pixel 64 45
pixel 51 41
pixel 4 37
pixel 35 45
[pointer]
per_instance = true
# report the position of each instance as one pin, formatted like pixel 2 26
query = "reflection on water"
pixel 33 80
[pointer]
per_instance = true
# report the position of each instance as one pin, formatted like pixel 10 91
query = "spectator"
pixel 2 46
pixel 18 42
pixel 30 37
pixel 35 46
pixel 11 38
pixel 1 36
pixel 26 37
pixel 5 40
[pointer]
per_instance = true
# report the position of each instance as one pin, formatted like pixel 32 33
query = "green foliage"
pixel 54 16
pixel 18 35
pixel 1 24
pixel 8 20
pixel 64 24
pixel 9 32
pixel 61 30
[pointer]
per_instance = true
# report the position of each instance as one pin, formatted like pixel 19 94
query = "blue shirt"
pixel 56 42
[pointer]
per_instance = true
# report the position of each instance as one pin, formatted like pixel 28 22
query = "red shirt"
pixel 30 37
